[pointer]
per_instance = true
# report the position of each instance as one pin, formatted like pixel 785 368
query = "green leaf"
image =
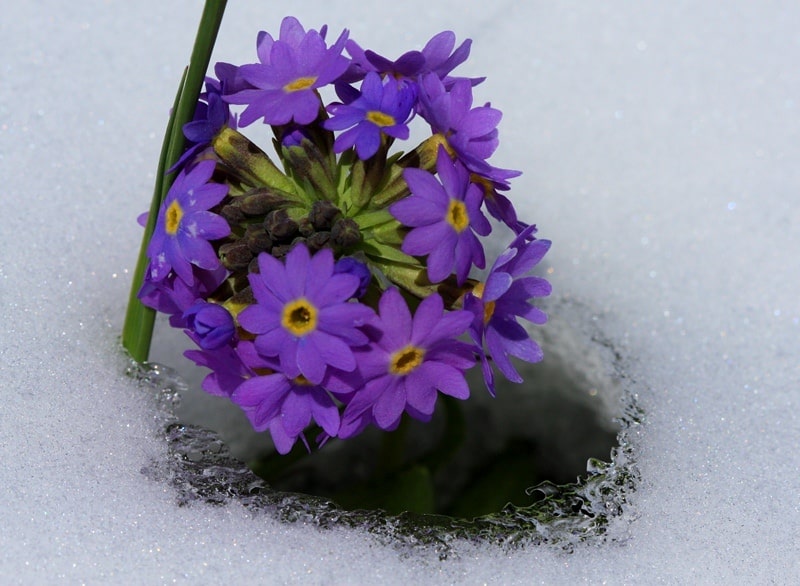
pixel 137 331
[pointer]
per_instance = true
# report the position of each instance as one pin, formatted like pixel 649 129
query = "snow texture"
pixel 659 143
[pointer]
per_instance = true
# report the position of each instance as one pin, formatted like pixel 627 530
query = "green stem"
pixel 137 331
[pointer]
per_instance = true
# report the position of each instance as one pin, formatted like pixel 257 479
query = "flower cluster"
pixel 334 290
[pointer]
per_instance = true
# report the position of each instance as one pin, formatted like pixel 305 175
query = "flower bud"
pixel 323 214
pixel 345 233
pixel 279 225
pixel 235 255
pixel 212 324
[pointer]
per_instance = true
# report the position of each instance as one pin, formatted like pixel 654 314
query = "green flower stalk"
pixel 137 332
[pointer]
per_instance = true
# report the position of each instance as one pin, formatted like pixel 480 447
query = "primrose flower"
pixel 173 296
pixel 443 217
pixel 286 405
pixel 436 57
pixel 382 108
pixel 210 115
pixel 185 226
pixel 504 296
pixel 497 204
pixel 350 265
pixel 286 80
pixel 303 315
pixel 408 361
pixel 228 365
pixel 211 323
pixel 471 133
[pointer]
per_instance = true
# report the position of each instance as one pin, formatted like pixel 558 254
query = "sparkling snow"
pixel 661 149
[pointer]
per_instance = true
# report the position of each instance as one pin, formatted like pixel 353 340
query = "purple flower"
pixel 303 315
pixel 286 406
pixel 409 360
pixel 471 133
pixel 286 80
pixel 210 115
pixel 443 217
pixel 350 265
pixel 229 367
pixel 382 108
pixel 173 296
pixel 497 204
pixel 503 297
pixel 212 324
pixel 436 57
pixel 185 226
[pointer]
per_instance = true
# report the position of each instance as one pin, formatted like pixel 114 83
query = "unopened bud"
pixel 345 233
pixel 260 201
pixel 235 255
pixel 323 214
pixel 232 213
pixel 318 241
pixel 257 239
pixel 279 225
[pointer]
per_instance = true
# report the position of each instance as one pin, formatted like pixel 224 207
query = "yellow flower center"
pixel 174 215
pixel 301 83
pixel 380 119
pixel 299 317
pixel 457 215
pixel 488 306
pixel 302 381
pixel 406 360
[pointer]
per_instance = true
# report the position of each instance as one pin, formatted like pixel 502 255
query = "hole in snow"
pixel 548 460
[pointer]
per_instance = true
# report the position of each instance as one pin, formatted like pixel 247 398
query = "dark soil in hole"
pixel 471 460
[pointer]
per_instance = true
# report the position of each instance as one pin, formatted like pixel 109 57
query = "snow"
pixel 660 148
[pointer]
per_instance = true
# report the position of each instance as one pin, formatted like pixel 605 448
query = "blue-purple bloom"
pixel 350 265
pixel 285 405
pixel 290 71
pixel 173 296
pixel 185 226
pixel 303 314
pixel 229 367
pixel 443 217
pixel 382 108
pixel 436 57
pixel 497 204
pixel 408 361
pixel 210 116
pixel 470 132
pixel 504 296
pixel 211 323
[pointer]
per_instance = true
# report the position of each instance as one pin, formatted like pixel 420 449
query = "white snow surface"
pixel 660 144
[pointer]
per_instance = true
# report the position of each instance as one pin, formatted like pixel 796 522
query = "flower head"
pixel 504 296
pixel 185 226
pixel 288 75
pixel 382 108
pixel 303 314
pixel 408 361
pixel 445 218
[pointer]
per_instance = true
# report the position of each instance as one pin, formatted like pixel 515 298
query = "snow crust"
pixel 660 150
